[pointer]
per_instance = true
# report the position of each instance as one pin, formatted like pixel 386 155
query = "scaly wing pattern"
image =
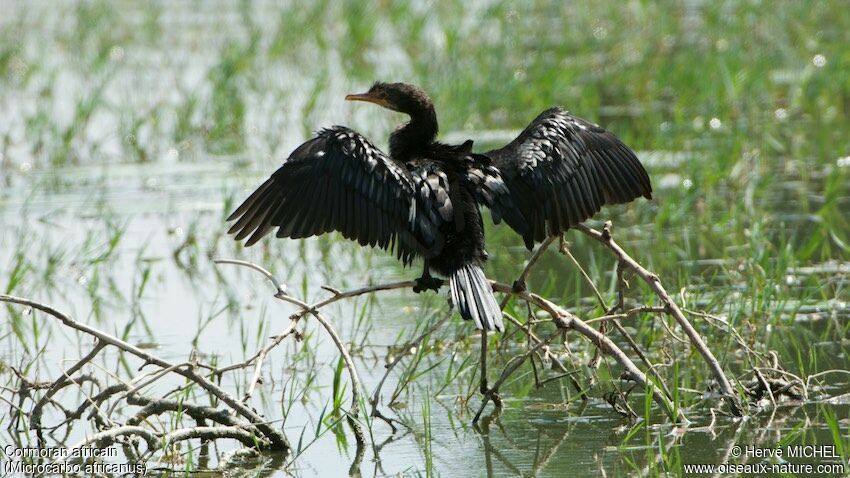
pixel 562 169
pixel 491 191
pixel 339 181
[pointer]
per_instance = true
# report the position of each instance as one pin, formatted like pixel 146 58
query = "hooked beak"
pixel 368 98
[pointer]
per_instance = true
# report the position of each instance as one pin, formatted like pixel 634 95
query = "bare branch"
pixel 275 437
pixel 566 320
pixel 604 237
pixel 61 382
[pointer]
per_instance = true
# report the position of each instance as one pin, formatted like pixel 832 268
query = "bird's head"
pixel 401 97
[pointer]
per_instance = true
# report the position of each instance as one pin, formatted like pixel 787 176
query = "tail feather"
pixel 473 297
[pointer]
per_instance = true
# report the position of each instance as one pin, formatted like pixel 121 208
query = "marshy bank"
pixel 129 131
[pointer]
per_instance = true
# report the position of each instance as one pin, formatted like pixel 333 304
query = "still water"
pixel 130 131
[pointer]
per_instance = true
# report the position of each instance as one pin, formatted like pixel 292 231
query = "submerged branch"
pixel 239 421
pixel 276 439
pixel 566 320
pixel 606 239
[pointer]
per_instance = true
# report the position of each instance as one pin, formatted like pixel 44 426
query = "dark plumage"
pixel 423 199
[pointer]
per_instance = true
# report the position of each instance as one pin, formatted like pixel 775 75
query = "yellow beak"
pixel 368 98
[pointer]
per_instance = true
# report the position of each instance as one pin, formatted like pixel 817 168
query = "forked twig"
pixel 605 238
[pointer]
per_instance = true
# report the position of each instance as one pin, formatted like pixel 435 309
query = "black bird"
pixel 423 199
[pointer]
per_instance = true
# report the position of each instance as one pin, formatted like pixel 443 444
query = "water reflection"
pixel 116 177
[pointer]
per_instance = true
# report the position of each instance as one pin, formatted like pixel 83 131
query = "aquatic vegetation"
pixel 129 130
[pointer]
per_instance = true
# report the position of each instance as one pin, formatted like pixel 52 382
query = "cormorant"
pixel 423 199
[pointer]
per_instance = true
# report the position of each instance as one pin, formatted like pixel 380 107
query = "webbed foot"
pixel 427 282
pixel 519 286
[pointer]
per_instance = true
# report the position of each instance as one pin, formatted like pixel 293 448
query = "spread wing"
pixel 491 190
pixel 562 169
pixel 339 181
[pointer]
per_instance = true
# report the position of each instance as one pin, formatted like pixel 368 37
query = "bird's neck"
pixel 414 136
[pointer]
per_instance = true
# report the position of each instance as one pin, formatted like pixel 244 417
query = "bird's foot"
pixel 519 286
pixel 427 282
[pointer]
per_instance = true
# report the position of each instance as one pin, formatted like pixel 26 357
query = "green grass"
pixel 740 109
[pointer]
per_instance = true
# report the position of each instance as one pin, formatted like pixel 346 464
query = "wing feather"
pixel 491 190
pixel 562 169
pixel 339 181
